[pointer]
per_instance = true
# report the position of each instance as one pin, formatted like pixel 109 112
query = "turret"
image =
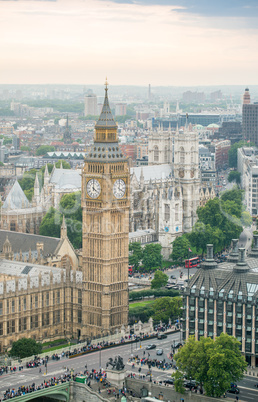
pixel 36 189
pixel 46 175
pixel 63 229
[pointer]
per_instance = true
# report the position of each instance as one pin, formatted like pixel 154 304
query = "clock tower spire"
pixel 105 205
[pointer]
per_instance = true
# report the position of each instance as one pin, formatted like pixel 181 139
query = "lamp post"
pixel 100 356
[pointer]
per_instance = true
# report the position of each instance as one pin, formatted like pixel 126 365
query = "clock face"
pixel 119 188
pixel 93 188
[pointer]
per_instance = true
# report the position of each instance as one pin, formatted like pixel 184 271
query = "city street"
pixel 98 359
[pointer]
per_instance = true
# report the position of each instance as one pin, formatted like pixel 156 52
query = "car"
pixel 177 345
pixel 169 381
pixel 159 352
pixel 233 390
pixel 151 346
pixel 161 336
pixel 173 277
pixel 190 384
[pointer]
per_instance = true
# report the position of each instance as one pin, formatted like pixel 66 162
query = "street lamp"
pixel 100 356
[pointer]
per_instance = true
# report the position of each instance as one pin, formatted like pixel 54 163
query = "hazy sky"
pixel 162 42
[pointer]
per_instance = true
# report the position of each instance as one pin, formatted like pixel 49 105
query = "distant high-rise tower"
pixel 149 93
pixel 90 105
pixel 250 119
pixel 67 133
pixel 246 97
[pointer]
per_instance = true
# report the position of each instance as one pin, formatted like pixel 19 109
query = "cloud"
pixel 208 8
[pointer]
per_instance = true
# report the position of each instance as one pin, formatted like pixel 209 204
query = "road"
pixel 98 359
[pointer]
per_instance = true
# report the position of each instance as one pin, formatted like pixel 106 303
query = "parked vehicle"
pixel 233 390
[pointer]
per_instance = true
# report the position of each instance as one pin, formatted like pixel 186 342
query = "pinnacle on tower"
pixel 46 172
pixel 106 119
pixel 63 229
pixel 36 183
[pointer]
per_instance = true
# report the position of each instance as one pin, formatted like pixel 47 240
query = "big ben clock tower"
pixel 105 206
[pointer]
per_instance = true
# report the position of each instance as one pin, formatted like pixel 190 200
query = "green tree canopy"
pixel 152 256
pixel 25 347
pixel 51 223
pixel 220 214
pixel 43 149
pixel 7 141
pixel 70 206
pixel 135 254
pixel 234 176
pixel 65 164
pixel 166 308
pixel 180 246
pixel 232 153
pixel 160 279
pixel 25 148
pixel 214 364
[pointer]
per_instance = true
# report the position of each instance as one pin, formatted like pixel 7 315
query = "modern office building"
pixel 90 105
pixel 250 119
pixel 224 298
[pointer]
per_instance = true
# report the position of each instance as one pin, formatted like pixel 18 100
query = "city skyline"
pixel 168 42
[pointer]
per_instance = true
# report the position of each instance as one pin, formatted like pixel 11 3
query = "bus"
pixel 130 270
pixel 192 262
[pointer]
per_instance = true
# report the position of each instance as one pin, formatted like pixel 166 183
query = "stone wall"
pixel 82 393
pixel 169 394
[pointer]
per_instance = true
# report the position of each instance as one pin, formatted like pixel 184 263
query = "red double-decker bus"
pixel 130 270
pixel 192 262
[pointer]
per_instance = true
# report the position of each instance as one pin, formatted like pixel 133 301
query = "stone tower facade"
pixel 105 204
pixel 160 149
pixel 186 174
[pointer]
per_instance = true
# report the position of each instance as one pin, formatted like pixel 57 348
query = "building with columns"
pixel 224 298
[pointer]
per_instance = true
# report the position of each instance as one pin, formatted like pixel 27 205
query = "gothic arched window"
pixel 156 153
pixel 167 212
pixel 182 155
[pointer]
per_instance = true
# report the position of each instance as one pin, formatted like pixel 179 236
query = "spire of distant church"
pixel 67 133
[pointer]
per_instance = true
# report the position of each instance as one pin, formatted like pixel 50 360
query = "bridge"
pixel 58 392
pixel 139 281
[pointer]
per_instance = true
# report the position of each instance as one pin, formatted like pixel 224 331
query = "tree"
pixel 51 223
pixel 152 256
pixel 246 218
pixel 214 364
pixel 234 176
pixel 166 308
pixel 179 381
pixel 70 206
pixel 235 195
pixel 25 347
pixel 232 153
pixel 7 141
pixel 65 164
pixel 135 254
pixel 222 215
pixel 160 279
pixel 25 148
pixel 180 250
pixel 43 149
